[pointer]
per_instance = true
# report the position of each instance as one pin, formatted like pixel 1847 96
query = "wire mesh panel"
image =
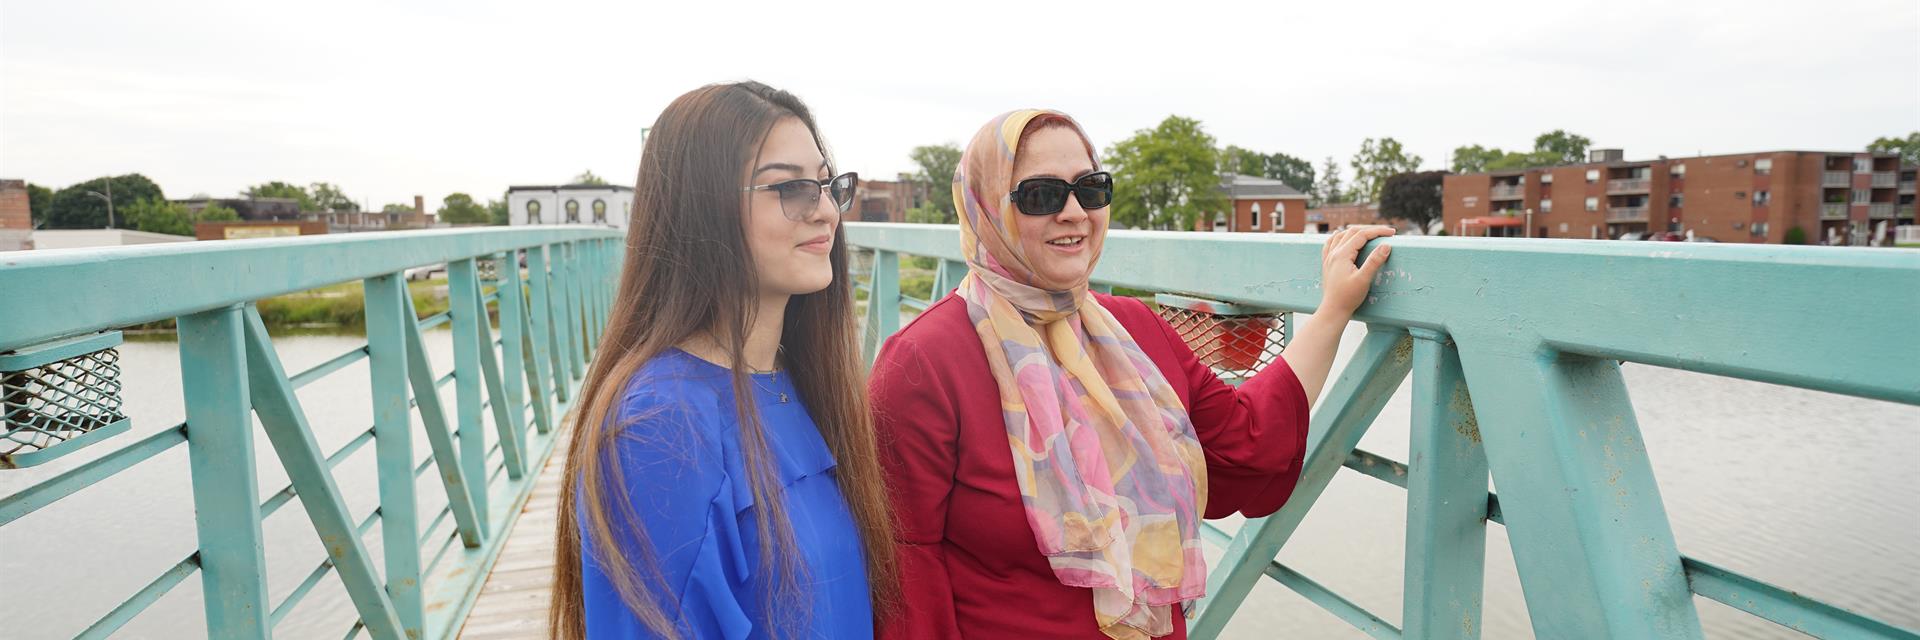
pixel 58 397
pixel 1235 340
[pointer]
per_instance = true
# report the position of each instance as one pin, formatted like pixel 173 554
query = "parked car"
pixel 427 272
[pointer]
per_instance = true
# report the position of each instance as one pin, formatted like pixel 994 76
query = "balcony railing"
pixel 509 396
pixel 1522 382
pixel 1833 211
pixel 1885 180
pixel 1906 186
pixel 1508 192
pixel 1880 210
pixel 1628 185
pixel 1836 179
pixel 1627 214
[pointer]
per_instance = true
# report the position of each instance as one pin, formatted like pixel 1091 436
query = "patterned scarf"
pixel 1111 475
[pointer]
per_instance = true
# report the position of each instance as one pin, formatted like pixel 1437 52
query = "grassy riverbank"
pixel 340 307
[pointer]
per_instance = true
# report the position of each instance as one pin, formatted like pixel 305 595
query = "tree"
pixel 928 214
pixel 1553 148
pixel 327 197
pixel 1328 190
pixel 39 201
pixel 497 212
pixel 1376 161
pixel 1166 177
pixel 1474 158
pixel 277 189
pixel 587 177
pixel 1907 148
pixel 459 208
pixel 1414 197
pixel 216 212
pixel 1297 173
pixel 73 208
pixel 173 218
pixel 1794 235
pixel 397 208
pixel 937 163
pixel 1558 147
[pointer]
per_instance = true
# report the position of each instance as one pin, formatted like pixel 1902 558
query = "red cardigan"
pixel 967 557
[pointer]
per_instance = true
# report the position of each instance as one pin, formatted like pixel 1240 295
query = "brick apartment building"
pixel 1836 197
pixel 1260 205
pixel 1327 218
pixel 887 201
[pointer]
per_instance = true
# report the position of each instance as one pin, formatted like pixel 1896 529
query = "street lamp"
pixel 109 200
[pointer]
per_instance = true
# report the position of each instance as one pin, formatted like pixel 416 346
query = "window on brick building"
pixel 1546 205
pixel 1862 196
pixel 1279 216
pixel 1593 175
pixel 1546 178
pixel 1676 200
pixel 1678 170
pixel 1763 166
pixel 1761 198
pixel 1593 204
pixel 1256 217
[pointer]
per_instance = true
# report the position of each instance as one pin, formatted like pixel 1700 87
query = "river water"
pixel 1802 489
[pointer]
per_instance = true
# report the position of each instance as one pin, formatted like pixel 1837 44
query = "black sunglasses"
pixel 1047 196
pixel 799 197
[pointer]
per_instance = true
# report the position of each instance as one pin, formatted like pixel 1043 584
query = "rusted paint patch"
pixel 1403 350
pixel 1461 405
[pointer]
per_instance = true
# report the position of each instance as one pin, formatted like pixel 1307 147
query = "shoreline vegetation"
pixel 334 309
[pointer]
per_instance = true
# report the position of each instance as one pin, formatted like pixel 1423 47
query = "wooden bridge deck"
pixel 513 604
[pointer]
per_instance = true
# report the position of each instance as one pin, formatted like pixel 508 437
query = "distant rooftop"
pixel 570 187
pixel 1614 158
pixel 1243 186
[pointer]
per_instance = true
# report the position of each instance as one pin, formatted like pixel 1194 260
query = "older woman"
pixel 1051 451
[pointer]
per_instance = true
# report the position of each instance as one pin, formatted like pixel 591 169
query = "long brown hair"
pixel 688 272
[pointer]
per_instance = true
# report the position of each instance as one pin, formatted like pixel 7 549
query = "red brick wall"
pixel 15 211
pixel 1242 219
pixel 1464 196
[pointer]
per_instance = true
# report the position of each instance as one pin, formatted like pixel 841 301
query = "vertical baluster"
pixel 439 438
pixel 546 326
pixel 1446 499
pixel 576 318
pixel 513 351
pixel 1338 422
pixel 946 278
pixel 1589 533
pixel 883 301
pixel 286 426
pixel 463 293
pixel 566 323
pixel 393 447
pixel 506 414
pixel 226 500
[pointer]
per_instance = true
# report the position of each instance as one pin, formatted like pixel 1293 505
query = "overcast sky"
pixel 392 99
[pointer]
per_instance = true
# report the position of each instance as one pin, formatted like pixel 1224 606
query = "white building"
pixel 570 204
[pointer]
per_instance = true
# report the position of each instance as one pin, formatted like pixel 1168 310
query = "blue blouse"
pixel 686 480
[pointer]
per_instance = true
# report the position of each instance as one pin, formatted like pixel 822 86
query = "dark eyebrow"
pixel 782 166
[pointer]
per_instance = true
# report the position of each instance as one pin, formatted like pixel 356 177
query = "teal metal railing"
pixel 521 382
pixel 1537 330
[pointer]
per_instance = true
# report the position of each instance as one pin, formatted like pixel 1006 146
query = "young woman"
pixel 1051 450
pixel 722 480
